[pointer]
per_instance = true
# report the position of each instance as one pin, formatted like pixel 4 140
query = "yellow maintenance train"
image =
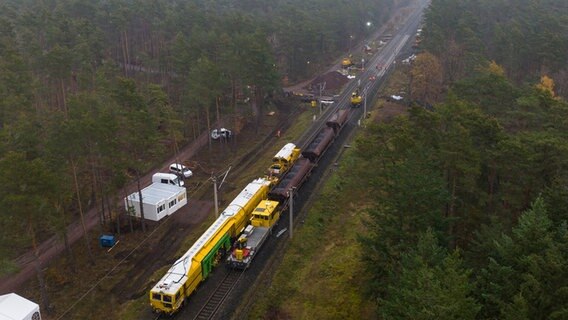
pixel 181 280
pixel 245 224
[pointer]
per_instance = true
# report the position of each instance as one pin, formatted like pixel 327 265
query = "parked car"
pixel 180 170
pixel 167 178
pixel 327 100
pixel 221 133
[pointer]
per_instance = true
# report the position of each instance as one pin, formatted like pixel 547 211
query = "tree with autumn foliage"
pixel 426 79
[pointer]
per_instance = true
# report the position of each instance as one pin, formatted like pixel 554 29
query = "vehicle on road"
pixel 222 133
pixel 180 170
pixel 167 178
pixel 327 100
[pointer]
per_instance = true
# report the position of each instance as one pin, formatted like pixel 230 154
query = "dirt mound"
pixel 334 81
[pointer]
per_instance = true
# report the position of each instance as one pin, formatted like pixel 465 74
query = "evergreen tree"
pixel 431 284
pixel 526 275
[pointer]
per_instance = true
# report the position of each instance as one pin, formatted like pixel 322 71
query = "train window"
pixel 177 296
pixel 167 298
pixel 156 296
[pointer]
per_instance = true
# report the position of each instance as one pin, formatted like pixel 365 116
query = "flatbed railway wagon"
pixel 181 280
pixel 264 218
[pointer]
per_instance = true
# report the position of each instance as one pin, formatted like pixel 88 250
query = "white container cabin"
pixel 158 200
pixel 15 307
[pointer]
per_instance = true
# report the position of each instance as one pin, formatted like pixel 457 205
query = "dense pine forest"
pixel 94 93
pixel 464 204
pixel 469 215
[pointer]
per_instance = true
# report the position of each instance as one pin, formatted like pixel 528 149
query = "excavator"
pixel 346 62
pixel 356 99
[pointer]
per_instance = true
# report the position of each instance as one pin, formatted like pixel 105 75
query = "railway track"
pixel 217 298
pixel 214 305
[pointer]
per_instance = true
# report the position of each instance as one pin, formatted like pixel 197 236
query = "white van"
pixel 180 170
pixel 167 178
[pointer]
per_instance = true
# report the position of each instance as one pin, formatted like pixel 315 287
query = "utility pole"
pixel 321 86
pixel 365 107
pixel 291 193
pixel 216 188
pixel 215 195
pixel 365 93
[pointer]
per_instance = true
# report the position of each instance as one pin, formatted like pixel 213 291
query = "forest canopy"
pixel 469 216
pixel 528 38
pixel 87 86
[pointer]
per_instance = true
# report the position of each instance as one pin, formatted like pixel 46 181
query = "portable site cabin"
pixel 158 200
pixel 14 307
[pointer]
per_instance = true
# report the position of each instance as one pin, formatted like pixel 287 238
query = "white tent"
pixel 14 307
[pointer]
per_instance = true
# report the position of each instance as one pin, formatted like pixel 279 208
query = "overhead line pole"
pixel 215 195
pixel 291 193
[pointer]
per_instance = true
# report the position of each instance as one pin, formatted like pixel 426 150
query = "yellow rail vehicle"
pixel 181 280
pixel 264 217
pixel 356 99
pixel 283 160
pixel 346 62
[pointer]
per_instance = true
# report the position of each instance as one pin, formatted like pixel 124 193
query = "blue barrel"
pixel 107 240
